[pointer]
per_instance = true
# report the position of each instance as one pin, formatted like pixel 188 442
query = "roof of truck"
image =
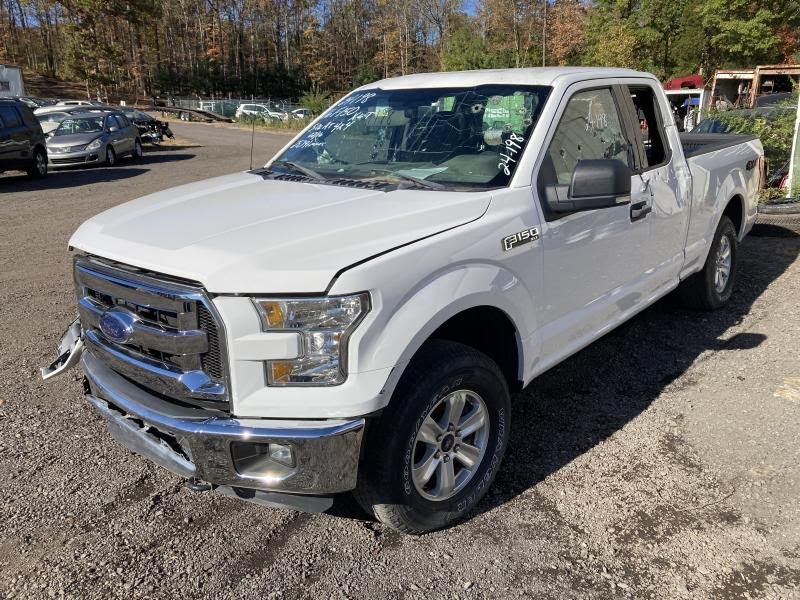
pixel 527 76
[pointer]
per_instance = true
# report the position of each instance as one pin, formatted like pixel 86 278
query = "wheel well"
pixel 488 330
pixel 735 213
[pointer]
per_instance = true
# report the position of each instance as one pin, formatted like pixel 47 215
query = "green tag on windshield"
pixel 505 112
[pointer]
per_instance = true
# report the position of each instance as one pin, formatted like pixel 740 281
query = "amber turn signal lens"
pixel 281 369
pixel 273 313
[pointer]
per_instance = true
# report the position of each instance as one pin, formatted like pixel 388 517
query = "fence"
pixel 227 106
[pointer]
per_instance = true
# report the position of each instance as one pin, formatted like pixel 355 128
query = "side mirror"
pixel 112 128
pixel 596 183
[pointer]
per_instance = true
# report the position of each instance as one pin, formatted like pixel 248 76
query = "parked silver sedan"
pixel 93 137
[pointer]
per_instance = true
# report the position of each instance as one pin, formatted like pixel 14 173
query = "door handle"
pixel 640 210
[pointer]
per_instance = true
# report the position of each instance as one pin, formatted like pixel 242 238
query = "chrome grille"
pixel 171 339
pixel 211 360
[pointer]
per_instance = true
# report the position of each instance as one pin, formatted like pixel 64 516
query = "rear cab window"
pixel 650 127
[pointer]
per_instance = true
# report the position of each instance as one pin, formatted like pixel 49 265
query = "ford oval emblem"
pixel 117 325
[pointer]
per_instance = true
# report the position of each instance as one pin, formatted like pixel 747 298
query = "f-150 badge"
pixel 523 237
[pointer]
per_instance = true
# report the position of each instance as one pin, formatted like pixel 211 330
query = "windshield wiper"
pixel 298 168
pixel 423 183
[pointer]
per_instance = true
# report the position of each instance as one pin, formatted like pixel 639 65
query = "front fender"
pixel 401 325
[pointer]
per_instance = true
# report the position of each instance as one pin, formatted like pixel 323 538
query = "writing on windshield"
pixel 457 137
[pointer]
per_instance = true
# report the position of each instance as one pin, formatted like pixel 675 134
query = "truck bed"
pixel 695 144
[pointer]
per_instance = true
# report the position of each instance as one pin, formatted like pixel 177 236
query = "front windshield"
pixel 457 138
pixel 136 115
pixel 72 126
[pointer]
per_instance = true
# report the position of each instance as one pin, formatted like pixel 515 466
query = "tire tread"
pixel 436 354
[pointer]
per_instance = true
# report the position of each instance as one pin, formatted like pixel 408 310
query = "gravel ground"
pixel 661 462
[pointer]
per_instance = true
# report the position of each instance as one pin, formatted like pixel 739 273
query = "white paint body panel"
pixel 424 256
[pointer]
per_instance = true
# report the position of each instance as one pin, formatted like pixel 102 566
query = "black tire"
pixel 386 487
pixel 111 157
pixel 700 290
pixel 38 166
pixel 137 150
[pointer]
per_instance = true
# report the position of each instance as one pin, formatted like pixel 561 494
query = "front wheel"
pixel 712 287
pixel 137 150
pixel 111 156
pixel 435 450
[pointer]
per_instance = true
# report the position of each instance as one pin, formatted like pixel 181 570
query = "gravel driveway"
pixel 660 462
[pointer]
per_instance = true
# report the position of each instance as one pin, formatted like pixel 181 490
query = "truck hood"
pixel 243 234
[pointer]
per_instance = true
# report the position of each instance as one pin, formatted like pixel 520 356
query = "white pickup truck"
pixel 355 315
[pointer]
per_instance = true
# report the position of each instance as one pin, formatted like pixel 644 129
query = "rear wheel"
pixel 38 166
pixel 111 156
pixel 435 450
pixel 712 287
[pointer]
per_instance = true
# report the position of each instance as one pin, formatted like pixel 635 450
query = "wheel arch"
pixel 735 211
pixel 482 306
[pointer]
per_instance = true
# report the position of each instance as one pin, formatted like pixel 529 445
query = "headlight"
pixel 325 325
pixel 95 145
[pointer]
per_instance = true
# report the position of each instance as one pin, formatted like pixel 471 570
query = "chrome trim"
pixel 145 291
pixel 193 341
pixel 168 347
pixel 327 454
pixel 70 349
pixel 156 375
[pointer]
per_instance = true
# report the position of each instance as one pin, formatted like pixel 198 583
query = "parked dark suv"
pixel 22 143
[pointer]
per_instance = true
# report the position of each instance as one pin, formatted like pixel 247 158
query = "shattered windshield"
pixel 453 138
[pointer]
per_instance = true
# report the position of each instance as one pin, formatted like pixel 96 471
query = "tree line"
pixel 287 47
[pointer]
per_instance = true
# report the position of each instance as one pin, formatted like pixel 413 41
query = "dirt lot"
pixel 661 462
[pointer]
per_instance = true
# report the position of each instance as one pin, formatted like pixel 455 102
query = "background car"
pixel 267 113
pixel 22 142
pixel 51 116
pixel 301 113
pixel 93 137
pixel 150 128
pixel 34 103
pixel 76 103
pixel 725 121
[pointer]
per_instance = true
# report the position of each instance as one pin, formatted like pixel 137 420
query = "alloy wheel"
pixel 724 261
pixel 450 445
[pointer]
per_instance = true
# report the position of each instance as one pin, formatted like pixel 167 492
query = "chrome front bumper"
pixel 198 443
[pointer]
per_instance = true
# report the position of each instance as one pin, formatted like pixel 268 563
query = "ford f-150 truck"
pixel 354 316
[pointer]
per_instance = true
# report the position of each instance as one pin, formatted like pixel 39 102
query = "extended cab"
pixel 355 315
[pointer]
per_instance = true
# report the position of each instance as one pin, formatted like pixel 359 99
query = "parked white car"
pixel 301 113
pixel 355 315
pixel 260 110
pixel 76 103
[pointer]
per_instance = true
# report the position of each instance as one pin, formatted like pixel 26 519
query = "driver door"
pixel 593 259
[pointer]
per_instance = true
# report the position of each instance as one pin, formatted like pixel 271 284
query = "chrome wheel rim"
pixel 722 273
pixel 450 445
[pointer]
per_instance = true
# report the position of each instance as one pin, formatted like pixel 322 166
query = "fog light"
pixel 264 461
pixel 281 454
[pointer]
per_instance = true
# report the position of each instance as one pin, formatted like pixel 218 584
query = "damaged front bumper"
pixel 319 458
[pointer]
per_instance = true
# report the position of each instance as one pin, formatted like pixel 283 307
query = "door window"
pixel 650 127
pixel 590 128
pixel 9 118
